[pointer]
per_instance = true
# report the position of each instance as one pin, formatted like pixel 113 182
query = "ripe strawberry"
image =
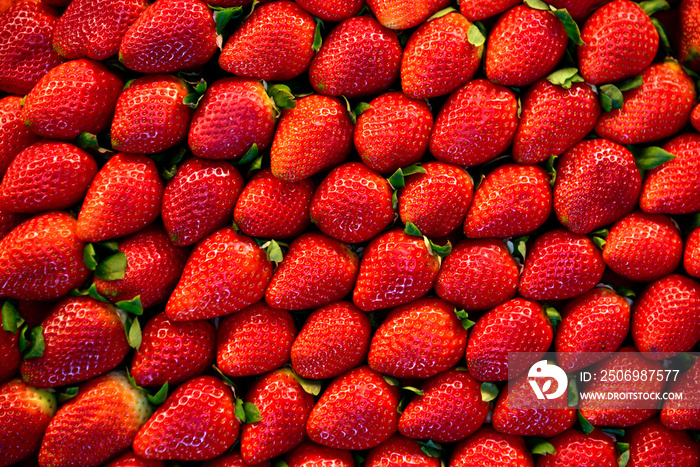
pixel 654 445
pixel 335 338
pixel 477 275
pixel 579 9
pixel 225 273
pixel 232 460
pixel 313 455
pixel 274 43
pixel 695 117
pixel 254 341
pixel 561 265
pixel 449 410
pixel 335 11
pixel 553 119
pixel 476 124
pixel 657 109
pixel 398 450
pixel 575 449
pixel 490 448
pixel 46 176
pixel 312 137
pixel 352 204
pixel 200 199
pixel 129 459
pixel 358 410
pixel 684 414
pixel 95 28
pixel 97 424
pixel 272 208
pixel 512 200
pixel 284 409
pixel 171 35
pixel 26 412
pixel 125 196
pixel 74 97
pixel 393 133
pixel 517 325
pixel 689 47
pixel 25 45
pixel 42 258
pixel 234 114
pixel 476 10
pixel 691 255
pixel 396 269
pixel 10 356
pixel 524 46
pixel 316 271
pixel 14 135
pixel 585 197
pixel 9 220
pixel 397 14
pixel 173 352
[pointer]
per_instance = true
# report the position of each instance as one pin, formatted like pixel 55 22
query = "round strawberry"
pixel 409 452
pixel 476 10
pixel 490 448
pixel 691 254
pixel 335 11
pixel 397 14
pixel 576 449
pixel 314 455
pixel 653 445
pixel 684 414
pixel 14 135
pixel 129 459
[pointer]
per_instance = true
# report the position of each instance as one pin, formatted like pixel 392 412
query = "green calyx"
pixel 489 392
pixel 105 260
pixel 565 77
pixel 156 399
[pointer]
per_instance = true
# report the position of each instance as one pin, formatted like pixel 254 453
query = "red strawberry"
pixel 691 255
pixel 173 352
pixel 358 410
pixel 476 124
pixel 26 412
pixel 74 97
pixel 489 448
pixel 335 11
pixel 579 9
pixel 397 14
pixel 9 220
pixel 200 199
pixel 284 409
pixel 657 109
pixel 313 455
pixel 449 410
pixel 95 28
pixel 48 175
pixel 393 132
pixel 124 197
pixel 512 200
pixel 352 204
pixel 316 271
pixel 225 273
pixel 196 422
pixel 42 258
pixel 274 43
pixel 14 135
pixel 314 136
pixel 254 341
pixel 575 449
pixel 171 35
pixel 476 10
pixel 359 57
pixel 654 445
pixel 129 459
pixel 10 356
pixel 400 451
pixel 695 117
pixel 689 50
pixel 97 424
pixel 232 460
pixel 272 208
pixel 683 414
pixel 585 196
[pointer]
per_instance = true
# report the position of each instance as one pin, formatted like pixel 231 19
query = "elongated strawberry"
pixel 691 254
pixel 476 10
pixel 14 135
pixel 652 444
pixel 683 414
pixel 490 448
pixel 314 455
pixel 689 49
pixel 576 449
pixel 398 447
pixel 395 14
pixel 335 11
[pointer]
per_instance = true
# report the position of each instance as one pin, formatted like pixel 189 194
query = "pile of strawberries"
pixel 308 234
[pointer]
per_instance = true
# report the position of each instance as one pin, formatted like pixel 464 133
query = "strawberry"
pixel 358 410
pixel 653 445
pixel 439 58
pixel 476 124
pixel 585 196
pixel 254 341
pixel 512 200
pixel 173 352
pixel 477 275
pixel 553 119
pixel 683 414
pixel 393 132
pixel 689 50
pixel 490 448
pixel 418 340
pixel 97 424
pixel 360 57
pixel 352 204
pixel 233 115
pixel 476 10
pixel 125 196
pixel 46 176
pixel 335 338
pixel 561 265
pixel 657 109
pixel 74 97
pixel 10 356
pixel 9 220
pixel 200 199
pixel 225 273
pixel 129 459
pixel 150 116
pixel 316 271
pixel 691 254
pixel 695 117
pixel 313 455
pixel 171 35
pixel 335 11
pixel 517 325
pixel 524 46
pixel 42 258
pixel 284 409
pixel 232 460
pixel 25 45
pixel 14 135
pixel 274 43
pixel 575 449
pixel 396 269
pixel 579 9
pixel 93 28
pixel 449 409
pixel 397 14
pixel 314 136
pixel 272 208
pixel 398 450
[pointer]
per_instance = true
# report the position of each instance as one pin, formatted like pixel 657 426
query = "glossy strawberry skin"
pixel 400 451
pixel 10 356
pixel 575 449
pixel 683 414
pixel 476 10
pixel 335 11
pixel 129 459
pixel 9 220
pixel 490 448
pixel 14 135
pixel 695 117
pixel 232 460
pixel 314 455
pixel 579 9
pixel 652 444
pixel 200 199
pixel 395 14
pixel 689 47
pixel 691 254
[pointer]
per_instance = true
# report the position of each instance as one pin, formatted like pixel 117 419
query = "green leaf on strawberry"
pixel 133 332
pixel 222 16
pixel 553 315
pixel 475 36
pixel 249 156
pixel 624 450
pixel 133 306
pixel 112 268
pixel 663 36
pixel 11 317
pixel 632 83
pixel 159 397
pixel 282 97
pixel 67 394
pixel 361 108
pixel 653 6
pixel 431 448
pixel 652 157
pixel 540 446
pixel 537 5
pixel 90 256
pixel 489 392
pixel 464 319
pixel 32 346
pixel 570 25
pixel 318 39
pixel 619 432
pixel 586 426
pixel 412 230
pixel 246 412
pixel 610 97
pixel 397 179
pixel 565 77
